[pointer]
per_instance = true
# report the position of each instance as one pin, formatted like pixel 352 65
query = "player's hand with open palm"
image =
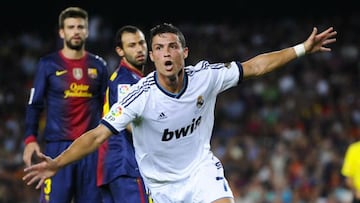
pixel 41 171
pixel 317 41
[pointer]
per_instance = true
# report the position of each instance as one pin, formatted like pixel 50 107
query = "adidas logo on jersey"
pixel 162 116
pixel 182 132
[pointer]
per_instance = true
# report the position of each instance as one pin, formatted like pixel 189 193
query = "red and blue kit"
pixel 70 94
pixel 117 167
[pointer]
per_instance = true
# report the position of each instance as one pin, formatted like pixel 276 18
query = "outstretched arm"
pixel 267 62
pixel 85 144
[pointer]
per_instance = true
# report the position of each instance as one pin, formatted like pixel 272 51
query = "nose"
pixel 167 52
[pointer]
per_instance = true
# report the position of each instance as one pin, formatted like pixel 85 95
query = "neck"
pixel 172 83
pixel 72 53
pixel 137 69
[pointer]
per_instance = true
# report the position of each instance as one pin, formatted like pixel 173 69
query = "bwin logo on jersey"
pixel 182 132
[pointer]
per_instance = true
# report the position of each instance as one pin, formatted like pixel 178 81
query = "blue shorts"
pixel 125 189
pixel 75 182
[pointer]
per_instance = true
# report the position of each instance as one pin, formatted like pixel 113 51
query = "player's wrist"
pixel 30 139
pixel 300 50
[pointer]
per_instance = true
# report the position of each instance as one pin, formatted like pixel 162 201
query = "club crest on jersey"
pixel 92 73
pixel 199 102
pixel 77 73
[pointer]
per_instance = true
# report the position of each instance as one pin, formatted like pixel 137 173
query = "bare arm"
pixel 85 144
pixel 267 62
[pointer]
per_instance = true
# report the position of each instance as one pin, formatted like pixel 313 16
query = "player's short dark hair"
pixel 121 31
pixel 72 12
pixel 166 28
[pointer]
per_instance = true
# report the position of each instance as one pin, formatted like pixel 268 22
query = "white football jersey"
pixel 171 132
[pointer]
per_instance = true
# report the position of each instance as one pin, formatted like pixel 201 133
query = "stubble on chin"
pixel 172 78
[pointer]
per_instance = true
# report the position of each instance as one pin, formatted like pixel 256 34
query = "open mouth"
pixel 168 63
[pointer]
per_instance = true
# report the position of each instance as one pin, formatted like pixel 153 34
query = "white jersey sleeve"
pixel 218 76
pixel 128 108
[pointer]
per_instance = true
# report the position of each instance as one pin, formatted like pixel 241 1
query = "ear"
pixel 186 52
pixel 87 33
pixel 151 56
pixel 119 51
pixel 61 33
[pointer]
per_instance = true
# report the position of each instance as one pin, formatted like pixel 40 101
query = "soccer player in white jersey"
pixel 171 111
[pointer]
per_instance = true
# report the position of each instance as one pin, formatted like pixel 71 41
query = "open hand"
pixel 40 171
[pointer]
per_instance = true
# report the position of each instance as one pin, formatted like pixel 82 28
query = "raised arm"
pixel 85 144
pixel 267 62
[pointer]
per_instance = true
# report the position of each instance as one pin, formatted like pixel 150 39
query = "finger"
pixel 29 176
pixel 29 168
pixel 330 29
pixel 32 179
pixel 332 34
pixel 40 183
pixel 27 162
pixel 26 176
pixel 313 33
pixel 325 49
pixel 27 158
pixel 39 179
pixel 328 41
pixel 35 167
pixel 327 33
pixel 315 30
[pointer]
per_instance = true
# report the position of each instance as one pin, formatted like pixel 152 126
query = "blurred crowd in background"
pixel 281 138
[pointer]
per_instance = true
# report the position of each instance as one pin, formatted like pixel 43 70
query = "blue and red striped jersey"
pixel 70 93
pixel 116 155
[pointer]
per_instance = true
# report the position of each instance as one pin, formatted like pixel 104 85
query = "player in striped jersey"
pixel 118 174
pixel 70 87
pixel 171 111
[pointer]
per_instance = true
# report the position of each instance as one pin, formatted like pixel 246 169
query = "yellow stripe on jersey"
pixel 113 76
pixel 106 107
